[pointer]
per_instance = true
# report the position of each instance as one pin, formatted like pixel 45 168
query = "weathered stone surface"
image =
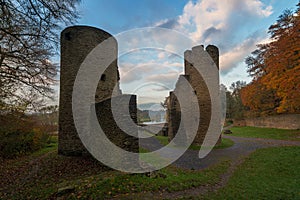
pixel 76 43
pixel 174 115
pixel 198 84
pixel 283 121
pixel 108 122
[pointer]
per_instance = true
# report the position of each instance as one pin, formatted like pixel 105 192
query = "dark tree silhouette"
pixel 29 38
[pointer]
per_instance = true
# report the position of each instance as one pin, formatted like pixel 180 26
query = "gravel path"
pixel 189 160
pixel 242 147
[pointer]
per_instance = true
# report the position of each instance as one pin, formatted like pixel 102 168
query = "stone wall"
pixel 198 84
pixel 76 44
pixel 173 116
pixel 108 122
pixel 283 121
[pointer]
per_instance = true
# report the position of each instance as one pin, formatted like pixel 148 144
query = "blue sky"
pixel 235 26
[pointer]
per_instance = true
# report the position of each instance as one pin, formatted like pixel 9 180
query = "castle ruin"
pixel 76 43
pixel 201 91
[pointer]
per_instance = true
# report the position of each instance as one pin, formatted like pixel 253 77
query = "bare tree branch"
pixel 29 35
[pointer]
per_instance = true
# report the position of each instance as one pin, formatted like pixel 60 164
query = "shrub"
pixel 20 135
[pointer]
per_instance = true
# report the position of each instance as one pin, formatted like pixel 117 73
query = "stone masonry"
pixel 108 122
pixel 76 43
pixel 197 82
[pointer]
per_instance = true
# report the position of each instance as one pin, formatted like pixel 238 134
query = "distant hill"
pixel 157 116
pixel 150 106
pixel 151 111
pixel 143 116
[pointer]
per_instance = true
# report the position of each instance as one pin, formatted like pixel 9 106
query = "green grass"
pixel 51 146
pixel 167 179
pixel 272 173
pixel 162 139
pixel 112 183
pixel 224 144
pixel 95 184
pixel 271 133
pixel 142 150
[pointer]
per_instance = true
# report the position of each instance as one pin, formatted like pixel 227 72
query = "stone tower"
pixel 76 43
pixel 201 91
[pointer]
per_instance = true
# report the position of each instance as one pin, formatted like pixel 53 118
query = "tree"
pixel 229 105
pixel 283 61
pixel 256 63
pixel 275 68
pixel 28 41
pixel 236 87
pixel 48 117
pixel 235 108
pixel 259 100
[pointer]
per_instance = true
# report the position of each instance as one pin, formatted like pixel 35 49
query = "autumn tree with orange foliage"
pixel 260 100
pixel 275 68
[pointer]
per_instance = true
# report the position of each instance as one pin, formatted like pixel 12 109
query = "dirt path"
pixel 20 175
pixel 242 147
pixel 237 153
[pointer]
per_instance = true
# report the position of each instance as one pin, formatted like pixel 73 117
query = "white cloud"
pixel 259 8
pixel 161 88
pixel 162 55
pixel 168 79
pixel 221 15
pixel 158 77
pixel 174 64
pixel 237 55
pixel 221 23
pixel 228 24
pixel 232 58
pixel 130 72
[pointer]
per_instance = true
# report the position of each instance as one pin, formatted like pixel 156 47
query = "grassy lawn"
pixel 162 139
pixel 167 179
pixel 271 133
pixel 41 174
pixel 142 150
pixel 224 144
pixel 272 173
